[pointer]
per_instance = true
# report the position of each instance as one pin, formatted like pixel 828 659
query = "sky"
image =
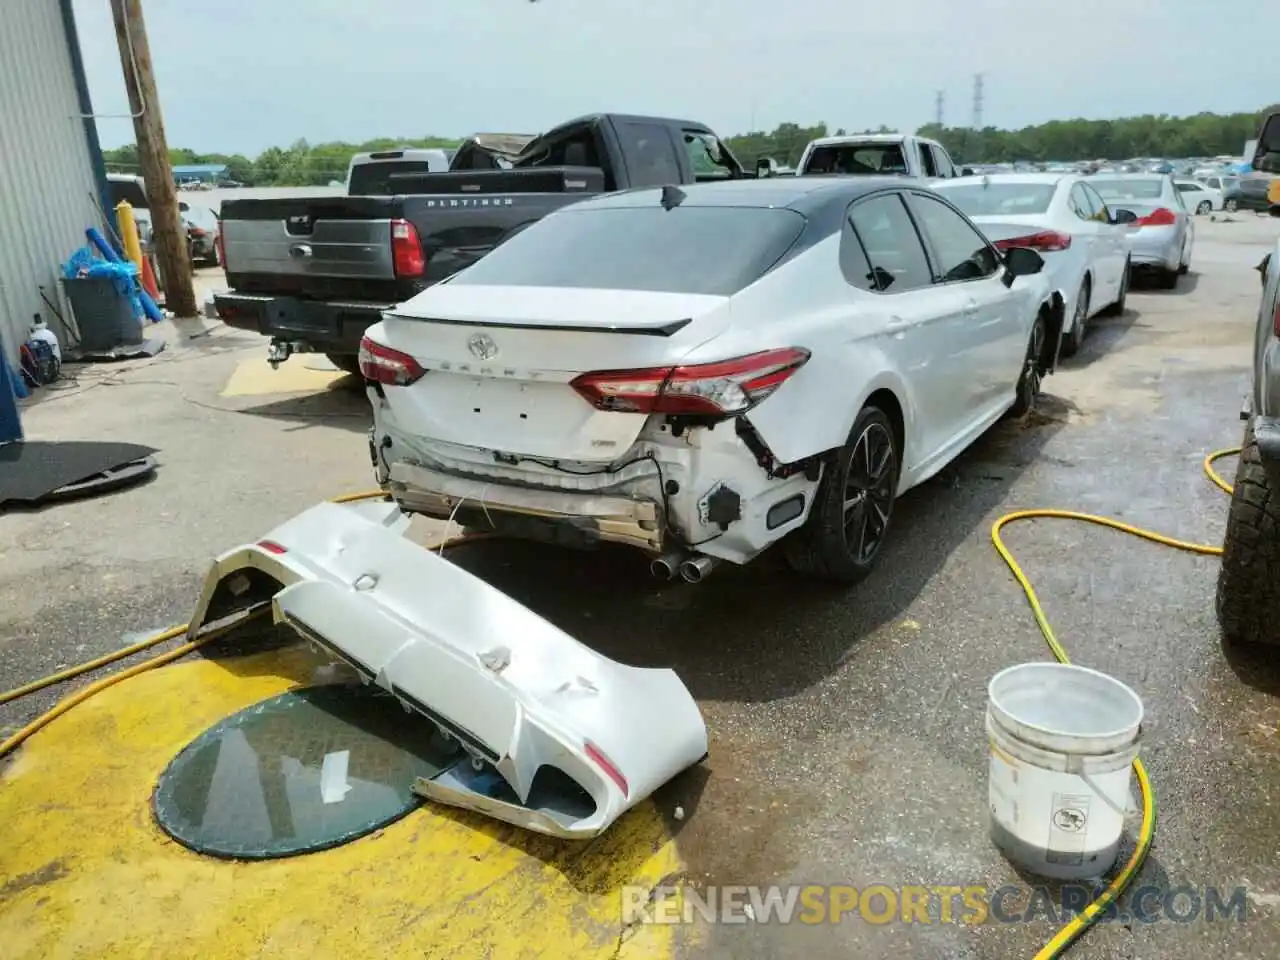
pixel 238 76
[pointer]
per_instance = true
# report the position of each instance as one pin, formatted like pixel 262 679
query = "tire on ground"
pixel 1248 601
pixel 819 549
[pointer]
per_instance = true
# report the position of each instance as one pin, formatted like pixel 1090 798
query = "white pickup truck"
pixel 872 153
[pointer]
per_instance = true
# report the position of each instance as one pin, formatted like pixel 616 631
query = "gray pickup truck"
pixel 1249 580
pixel 313 273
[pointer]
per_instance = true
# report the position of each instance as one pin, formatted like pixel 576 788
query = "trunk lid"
pixel 500 360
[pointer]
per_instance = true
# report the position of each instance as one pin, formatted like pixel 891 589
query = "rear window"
pixel 700 250
pixel 128 191
pixel 857 158
pixel 1129 189
pixel 993 199
pixel 373 179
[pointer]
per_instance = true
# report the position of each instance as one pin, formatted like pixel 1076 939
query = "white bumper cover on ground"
pixel 552 736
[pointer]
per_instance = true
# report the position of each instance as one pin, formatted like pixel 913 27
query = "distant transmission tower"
pixel 938 102
pixel 977 101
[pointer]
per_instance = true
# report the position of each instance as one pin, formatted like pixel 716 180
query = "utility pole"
pixel 153 155
pixel 977 101
pixel 938 102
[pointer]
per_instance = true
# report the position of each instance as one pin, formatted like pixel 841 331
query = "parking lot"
pixel 847 726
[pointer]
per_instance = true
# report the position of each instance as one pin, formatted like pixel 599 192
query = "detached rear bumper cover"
pixel 516 692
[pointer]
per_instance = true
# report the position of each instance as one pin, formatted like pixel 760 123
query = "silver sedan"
pixel 1165 230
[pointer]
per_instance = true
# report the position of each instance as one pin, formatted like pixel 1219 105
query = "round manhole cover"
pixel 304 771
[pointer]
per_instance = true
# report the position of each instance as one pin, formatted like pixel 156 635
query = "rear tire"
pixel 853 508
pixel 1079 322
pixel 1028 387
pixel 1168 279
pixel 1117 308
pixel 1230 206
pixel 1205 207
pixel 1248 600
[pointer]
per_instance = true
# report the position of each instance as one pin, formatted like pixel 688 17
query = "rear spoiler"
pixel 549 734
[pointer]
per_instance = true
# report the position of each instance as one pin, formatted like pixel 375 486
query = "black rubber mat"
pixel 32 472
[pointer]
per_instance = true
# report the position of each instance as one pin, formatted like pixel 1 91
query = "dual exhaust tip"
pixel 691 569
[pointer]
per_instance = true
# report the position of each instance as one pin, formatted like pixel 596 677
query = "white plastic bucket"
pixel 1063 739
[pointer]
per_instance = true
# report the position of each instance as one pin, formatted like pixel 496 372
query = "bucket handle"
pixel 1076 765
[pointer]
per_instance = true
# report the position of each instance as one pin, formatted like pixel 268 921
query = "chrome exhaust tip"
pixel 665 566
pixel 695 569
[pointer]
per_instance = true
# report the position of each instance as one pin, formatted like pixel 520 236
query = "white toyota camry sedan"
pixel 703 371
pixel 1085 245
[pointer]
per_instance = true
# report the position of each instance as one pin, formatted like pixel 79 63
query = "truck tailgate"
pixel 346 238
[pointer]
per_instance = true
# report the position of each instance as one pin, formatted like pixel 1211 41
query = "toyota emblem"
pixel 482 346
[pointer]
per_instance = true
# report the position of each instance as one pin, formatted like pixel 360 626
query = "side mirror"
pixel 766 167
pixel 1021 262
pixel 1120 217
pixel 967 171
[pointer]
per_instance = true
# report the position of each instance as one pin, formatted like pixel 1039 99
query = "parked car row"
pixel 201 223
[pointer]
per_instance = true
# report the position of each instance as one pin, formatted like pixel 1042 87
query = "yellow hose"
pixel 1056 947
pixel 1065 937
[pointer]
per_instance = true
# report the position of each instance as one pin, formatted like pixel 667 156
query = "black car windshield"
pixel 993 199
pixel 688 249
pixel 1129 189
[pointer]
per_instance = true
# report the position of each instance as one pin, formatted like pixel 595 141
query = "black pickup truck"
pixel 313 273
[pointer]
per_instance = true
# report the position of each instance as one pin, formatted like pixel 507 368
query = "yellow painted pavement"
pixel 254 377
pixel 84 871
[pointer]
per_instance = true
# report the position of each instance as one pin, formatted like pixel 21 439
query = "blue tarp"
pixel 83 263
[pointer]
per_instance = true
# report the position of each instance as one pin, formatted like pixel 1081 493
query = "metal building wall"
pixel 47 177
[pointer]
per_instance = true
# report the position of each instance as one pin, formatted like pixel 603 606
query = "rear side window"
pixel 897 256
pixel 927 158
pixel 702 250
pixel 943 161
pixel 650 154
pixel 963 253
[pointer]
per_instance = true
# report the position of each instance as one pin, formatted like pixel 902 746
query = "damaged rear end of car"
pixel 529 397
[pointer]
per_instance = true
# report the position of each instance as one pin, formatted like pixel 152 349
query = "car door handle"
pixel 970 310
pixel 897 326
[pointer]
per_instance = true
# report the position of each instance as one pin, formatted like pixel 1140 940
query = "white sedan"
pixel 1084 245
pixel 1199 197
pixel 703 371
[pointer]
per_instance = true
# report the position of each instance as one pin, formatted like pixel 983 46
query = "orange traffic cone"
pixel 149 280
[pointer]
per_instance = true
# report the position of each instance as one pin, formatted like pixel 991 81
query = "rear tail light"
pixel 222 253
pixel 1158 218
pixel 406 249
pixel 1275 320
pixel 391 368
pixel 1049 241
pixel 704 389
pixel 597 757
pixel 272 547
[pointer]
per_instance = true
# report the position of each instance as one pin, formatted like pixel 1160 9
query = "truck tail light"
pixel 704 389
pixel 406 250
pixel 222 250
pixel 1047 241
pixel 1161 217
pixel 391 368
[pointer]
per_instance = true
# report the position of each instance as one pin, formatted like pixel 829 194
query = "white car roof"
pixel 863 138
pixel 1045 178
